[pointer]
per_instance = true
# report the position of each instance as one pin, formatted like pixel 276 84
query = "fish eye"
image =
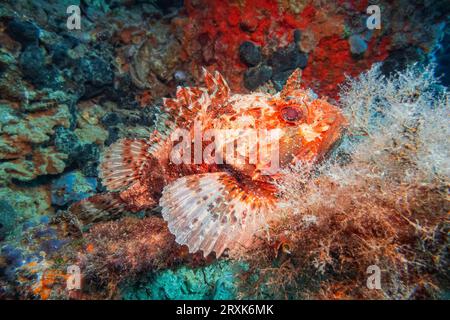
pixel 291 114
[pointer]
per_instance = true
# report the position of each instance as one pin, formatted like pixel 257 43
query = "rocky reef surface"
pixel 65 95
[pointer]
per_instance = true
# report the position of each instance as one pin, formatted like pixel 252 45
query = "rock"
pixel 27 142
pixel 148 117
pixel 87 159
pixel 216 281
pixel 97 74
pixel 157 59
pixel 45 232
pixel 11 258
pixel 180 77
pixel 151 10
pixel 169 5
pixel 284 61
pixel 250 53
pixel 297 35
pixel 224 288
pixel 88 122
pixel 23 31
pixel 357 44
pixel 249 23
pixel 47 160
pixel 13 255
pixel 6 60
pixel 289 58
pixel 66 141
pixel 307 41
pixel 8 219
pixel 32 61
pixel 60 56
pixel 113 136
pixel 96 71
pixel 44 220
pixel 50 78
pixel 52 245
pixel 29 203
pixel 111 119
pixel 35 70
pixel 256 76
pixel 398 60
pixel 84 155
pixel 92 133
pixel 72 187
pixel 70 41
pixel 279 79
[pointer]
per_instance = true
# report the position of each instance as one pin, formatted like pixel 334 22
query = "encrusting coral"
pixel 322 31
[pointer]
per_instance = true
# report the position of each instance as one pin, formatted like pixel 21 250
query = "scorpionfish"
pixel 215 205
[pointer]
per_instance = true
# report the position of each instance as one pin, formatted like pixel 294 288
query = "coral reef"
pixel 331 37
pixel 72 187
pixel 381 197
pixel 217 281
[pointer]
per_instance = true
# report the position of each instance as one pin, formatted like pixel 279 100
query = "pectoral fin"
pixel 211 212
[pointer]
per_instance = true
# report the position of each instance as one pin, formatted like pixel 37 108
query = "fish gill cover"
pixel 107 107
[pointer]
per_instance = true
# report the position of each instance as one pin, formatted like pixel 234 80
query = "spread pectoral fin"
pixel 122 163
pixel 211 212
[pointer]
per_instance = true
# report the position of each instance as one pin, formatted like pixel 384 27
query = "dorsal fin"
pixel 217 87
pixel 292 83
pixel 193 102
pixel 211 212
pixel 187 106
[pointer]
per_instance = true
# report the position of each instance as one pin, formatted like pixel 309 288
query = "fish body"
pixel 213 173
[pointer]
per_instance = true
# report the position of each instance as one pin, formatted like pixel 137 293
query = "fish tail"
pixel 100 207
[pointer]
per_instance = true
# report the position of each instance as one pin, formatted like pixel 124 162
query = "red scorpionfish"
pixel 208 204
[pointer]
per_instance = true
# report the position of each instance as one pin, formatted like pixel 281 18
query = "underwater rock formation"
pixel 217 281
pixel 8 219
pixel 250 53
pixel 323 31
pixel 72 187
pixel 65 95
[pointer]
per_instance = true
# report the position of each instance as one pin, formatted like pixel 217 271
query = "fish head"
pixel 309 127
